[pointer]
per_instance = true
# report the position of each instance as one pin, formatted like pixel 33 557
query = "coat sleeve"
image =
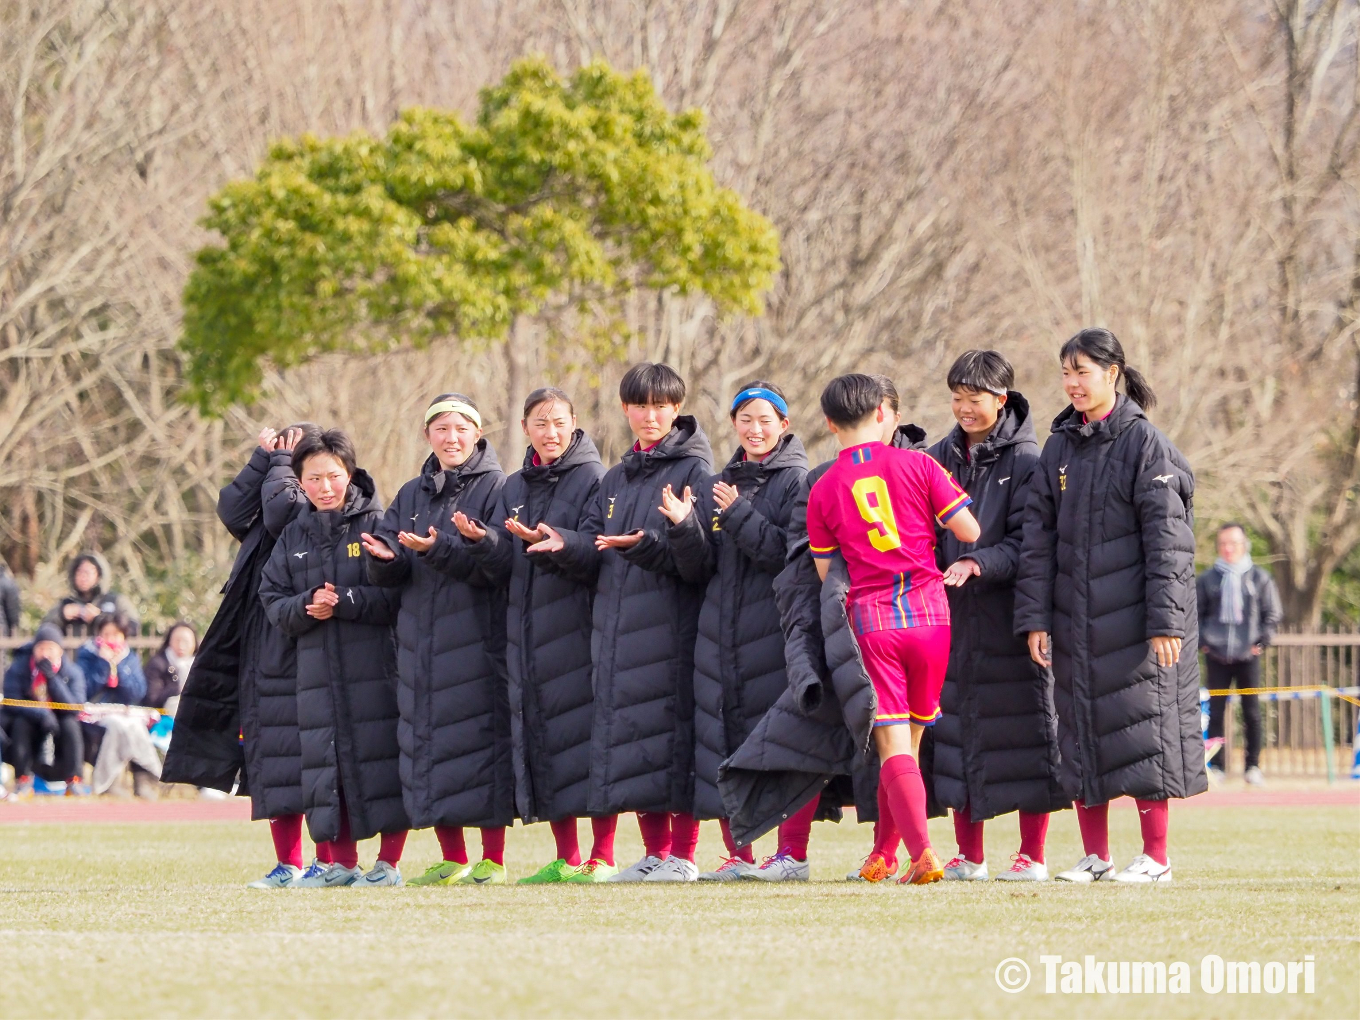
pixel 692 548
pixel 495 553
pixel 579 559
pixel 1001 562
pixel 1272 612
pixel 286 609
pixel 281 495
pixel 451 553
pixel 760 538
pixel 1162 494
pixel 239 501
pixel 393 573
pixel 1038 566
pixel 367 603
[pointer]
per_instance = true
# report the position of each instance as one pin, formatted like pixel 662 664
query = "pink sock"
pixel 797 830
pixel 886 836
pixel 323 853
pixel 451 843
pixel 656 833
pixel 602 833
pixel 286 832
pixel 568 845
pixel 1154 816
pixel 1095 829
pixel 391 846
pixel 907 794
pixel 343 849
pixel 493 845
pixel 969 836
pixel 684 835
pixel 745 853
pixel 1033 833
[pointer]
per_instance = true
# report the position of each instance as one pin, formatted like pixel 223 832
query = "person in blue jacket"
pixel 41 673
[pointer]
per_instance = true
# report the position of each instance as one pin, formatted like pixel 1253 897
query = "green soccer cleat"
pixel 443 873
pixel 484 872
pixel 592 871
pixel 558 871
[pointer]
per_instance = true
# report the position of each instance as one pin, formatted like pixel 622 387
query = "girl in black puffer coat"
pixel 733 536
pixel 315 590
pixel 548 633
pixel 644 623
pixel 995 743
pixel 455 712
pixel 1106 595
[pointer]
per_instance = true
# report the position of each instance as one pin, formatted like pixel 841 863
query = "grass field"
pixel 152 920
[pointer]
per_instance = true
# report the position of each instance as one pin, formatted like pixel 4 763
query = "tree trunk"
pixel 511 442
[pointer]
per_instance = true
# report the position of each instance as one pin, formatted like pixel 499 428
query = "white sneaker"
pixel 337 876
pixel 1024 870
pixel 1143 869
pixel 638 871
pixel 673 869
pixel 781 868
pixel 1254 777
pixel 383 874
pixel 208 793
pixel 283 876
pixel 960 869
pixel 729 871
pixel 1089 869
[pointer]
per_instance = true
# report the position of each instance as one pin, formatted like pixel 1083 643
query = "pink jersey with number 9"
pixel 877 506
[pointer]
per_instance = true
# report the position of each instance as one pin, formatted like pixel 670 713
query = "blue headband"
pixel 760 393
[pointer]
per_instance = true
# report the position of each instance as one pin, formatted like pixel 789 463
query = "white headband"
pixel 456 406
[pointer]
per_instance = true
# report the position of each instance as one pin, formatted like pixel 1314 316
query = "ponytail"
pixel 1104 348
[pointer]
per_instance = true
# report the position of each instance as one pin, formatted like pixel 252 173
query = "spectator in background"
pixel 9 601
pixel 40 673
pixel 1239 610
pixel 168 668
pixel 113 676
pixel 90 598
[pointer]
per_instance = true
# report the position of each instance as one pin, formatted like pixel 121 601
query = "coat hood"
pixel 582 450
pixel 1125 413
pixel 788 453
pixel 909 437
pixel 101 564
pixel 482 462
pixel 685 439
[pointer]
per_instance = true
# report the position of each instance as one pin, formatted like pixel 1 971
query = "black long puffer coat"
pixel 547 631
pixel 996 741
pixel 739 654
pixel 817 737
pixel 237 715
pixel 455 712
pixel 1109 562
pixel 644 622
pixel 346 666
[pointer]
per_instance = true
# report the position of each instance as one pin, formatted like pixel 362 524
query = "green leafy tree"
pixel 564 193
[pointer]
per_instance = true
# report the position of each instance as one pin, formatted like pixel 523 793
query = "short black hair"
pixel 647 383
pixel 119 619
pixel 332 441
pixel 981 371
pixel 548 395
pixel 849 399
pixel 1230 525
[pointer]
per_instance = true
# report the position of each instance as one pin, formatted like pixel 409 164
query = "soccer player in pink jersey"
pixel 877 506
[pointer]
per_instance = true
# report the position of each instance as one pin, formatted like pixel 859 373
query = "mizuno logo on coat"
pixel 1164 479
pixel 611 507
pixel 300 555
pixel 514 511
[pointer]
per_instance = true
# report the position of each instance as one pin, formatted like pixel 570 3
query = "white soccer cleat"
pixel 1024 870
pixel 730 870
pixel 383 874
pixel 284 876
pixel 960 869
pixel 781 868
pixel 1143 870
pixel 337 876
pixel 673 869
pixel 1089 869
pixel 1254 777
pixel 638 871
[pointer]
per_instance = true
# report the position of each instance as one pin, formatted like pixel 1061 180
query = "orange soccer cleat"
pixel 924 870
pixel 876 869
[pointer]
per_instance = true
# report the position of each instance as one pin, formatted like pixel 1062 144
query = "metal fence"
pixel 1302 721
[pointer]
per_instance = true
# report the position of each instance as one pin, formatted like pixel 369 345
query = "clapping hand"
pixel 673 508
pixel 531 535
pixel 468 528
pixel 549 542
pixel 418 543
pixel 375 548
pixel 724 495
pixel 324 601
